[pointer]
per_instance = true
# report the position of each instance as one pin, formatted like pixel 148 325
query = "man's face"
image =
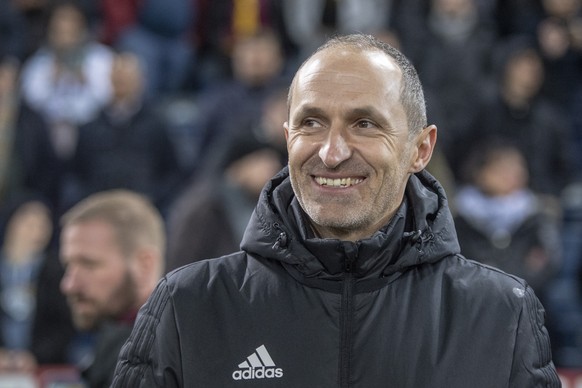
pixel 97 283
pixel 347 136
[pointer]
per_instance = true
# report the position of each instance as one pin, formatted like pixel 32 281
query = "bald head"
pixel 411 93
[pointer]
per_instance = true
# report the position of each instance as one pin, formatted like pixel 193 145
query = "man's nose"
pixel 335 148
pixel 70 280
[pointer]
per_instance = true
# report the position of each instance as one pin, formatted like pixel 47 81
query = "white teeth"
pixel 343 182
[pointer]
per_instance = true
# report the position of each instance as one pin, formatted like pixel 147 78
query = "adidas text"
pixel 258 365
pixel 257 373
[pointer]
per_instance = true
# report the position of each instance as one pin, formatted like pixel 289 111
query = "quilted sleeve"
pixel 151 355
pixel 532 360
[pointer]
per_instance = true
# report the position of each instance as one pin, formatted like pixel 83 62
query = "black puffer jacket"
pixel 400 309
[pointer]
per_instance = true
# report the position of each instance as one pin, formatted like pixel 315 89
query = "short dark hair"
pixel 411 93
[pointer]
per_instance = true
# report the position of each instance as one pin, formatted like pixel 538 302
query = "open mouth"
pixel 338 182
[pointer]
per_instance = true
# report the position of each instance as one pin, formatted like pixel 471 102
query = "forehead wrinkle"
pixel 352 85
pixel 344 69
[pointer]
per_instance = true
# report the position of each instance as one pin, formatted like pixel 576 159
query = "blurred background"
pixel 184 101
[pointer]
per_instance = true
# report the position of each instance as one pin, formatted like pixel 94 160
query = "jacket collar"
pixel 421 231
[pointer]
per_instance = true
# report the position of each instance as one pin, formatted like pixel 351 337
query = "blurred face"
pixel 256 61
pixel 554 38
pixel 254 170
pixel 524 75
pixel 30 228
pixel 8 78
pixel 97 282
pixel 66 28
pixel 454 7
pixel 347 136
pixel 504 174
pixel 562 8
pixel 274 114
pixel 126 77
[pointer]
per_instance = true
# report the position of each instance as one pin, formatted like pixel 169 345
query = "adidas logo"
pixel 258 365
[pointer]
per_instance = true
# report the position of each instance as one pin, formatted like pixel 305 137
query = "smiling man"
pixel 350 273
pixel 350 150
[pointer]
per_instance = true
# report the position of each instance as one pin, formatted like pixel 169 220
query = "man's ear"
pixel 425 143
pixel 144 263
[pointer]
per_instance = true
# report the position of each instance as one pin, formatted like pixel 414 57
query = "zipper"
pixel 282 240
pixel 347 315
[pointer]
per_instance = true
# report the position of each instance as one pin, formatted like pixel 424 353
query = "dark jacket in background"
pixel 136 154
pixel 402 309
pixel 109 340
pixel 33 163
pixel 204 222
pixel 52 329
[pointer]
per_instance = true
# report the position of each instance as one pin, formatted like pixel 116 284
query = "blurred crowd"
pixel 183 101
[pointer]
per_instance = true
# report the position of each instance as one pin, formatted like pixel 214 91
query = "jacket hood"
pixel 422 231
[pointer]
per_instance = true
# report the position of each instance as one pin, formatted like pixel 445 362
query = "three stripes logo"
pixel 258 365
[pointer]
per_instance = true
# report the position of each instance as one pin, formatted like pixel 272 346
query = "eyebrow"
pixel 309 110
pixel 367 111
pixel 351 114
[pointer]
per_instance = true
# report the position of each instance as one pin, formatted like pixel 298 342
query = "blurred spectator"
pixel 565 300
pixel 454 64
pixel 566 295
pixel 127 145
pixel 67 80
pixel 221 24
pixel 500 221
pixel 559 36
pixel 35 323
pixel 310 22
pixel 519 113
pixel 570 13
pixel 27 160
pixel 161 33
pixel 12 29
pixel 210 217
pixel 28 19
pixel 257 64
pixel 112 247
pixel 266 129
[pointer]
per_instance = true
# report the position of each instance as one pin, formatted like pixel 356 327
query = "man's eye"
pixel 365 124
pixel 311 123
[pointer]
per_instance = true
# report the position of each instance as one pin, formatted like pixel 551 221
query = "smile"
pixel 338 182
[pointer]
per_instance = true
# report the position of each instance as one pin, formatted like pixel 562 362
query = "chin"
pixel 343 222
pixel 84 323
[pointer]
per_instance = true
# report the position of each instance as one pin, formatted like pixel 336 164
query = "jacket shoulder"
pixel 478 282
pixel 199 276
pixel 475 270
